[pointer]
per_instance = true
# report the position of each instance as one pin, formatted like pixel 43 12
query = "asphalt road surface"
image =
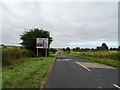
pixel 72 72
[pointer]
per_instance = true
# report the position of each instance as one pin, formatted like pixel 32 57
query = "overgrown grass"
pixel 26 73
pixel 11 55
pixel 113 55
pixel 100 58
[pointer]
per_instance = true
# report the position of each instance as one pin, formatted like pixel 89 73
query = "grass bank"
pixel 13 55
pixel 114 63
pixel 28 73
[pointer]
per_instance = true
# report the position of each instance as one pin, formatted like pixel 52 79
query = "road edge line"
pixel 82 66
pixel 116 86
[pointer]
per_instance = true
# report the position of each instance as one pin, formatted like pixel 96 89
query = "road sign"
pixel 42 43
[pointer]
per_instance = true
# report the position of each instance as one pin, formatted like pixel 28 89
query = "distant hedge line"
pixel 113 55
pixel 11 55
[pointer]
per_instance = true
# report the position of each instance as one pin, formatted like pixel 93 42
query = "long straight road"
pixel 72 72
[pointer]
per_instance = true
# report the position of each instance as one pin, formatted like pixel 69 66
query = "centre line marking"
pixel 116 86
pixel 83 66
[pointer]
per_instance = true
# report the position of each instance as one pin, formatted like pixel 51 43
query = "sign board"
pixel 42 43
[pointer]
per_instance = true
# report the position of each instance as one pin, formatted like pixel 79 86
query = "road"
pixel 72 72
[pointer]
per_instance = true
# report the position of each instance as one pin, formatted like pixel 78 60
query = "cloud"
pixel 68 22
pixel 90 44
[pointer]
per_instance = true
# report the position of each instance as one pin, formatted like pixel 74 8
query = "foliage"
pixel 29 39
pixel 114 49
pixel 11 55
pixel 68 49
pixel 84 49
pixel 64 49
pixel 53 50
pixel 102 47
pixel 119 48
pixel 77 49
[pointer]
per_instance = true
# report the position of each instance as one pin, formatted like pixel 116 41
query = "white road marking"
pixel 83 66
pixel 66 59
pixel 62 60
pixel 99 87
pixel 98 75
pixel 116 86
pixel 58 59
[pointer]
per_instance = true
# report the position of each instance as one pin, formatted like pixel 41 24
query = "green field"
pixel 105 57
pixel 28 73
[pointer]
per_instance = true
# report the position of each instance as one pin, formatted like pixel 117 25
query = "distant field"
pixel 113 55
pixel 105 57
pixel 28 73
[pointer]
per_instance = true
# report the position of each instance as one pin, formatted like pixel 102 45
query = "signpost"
pixel 42 43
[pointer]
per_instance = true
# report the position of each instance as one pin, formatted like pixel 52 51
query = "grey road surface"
pixel 72 72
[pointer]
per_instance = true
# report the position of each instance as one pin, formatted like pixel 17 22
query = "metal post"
pixel 37 52
pixel 46 52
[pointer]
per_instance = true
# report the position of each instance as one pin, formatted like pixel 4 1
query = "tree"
pixel 64 49
pixel 104 46
pixel 98 48
pixel 53 50
pixel 68 49
pixel 2 45
pixel 119 48
pixel 74 50
pixel 114 48
pixel 77 49
pixel 29 39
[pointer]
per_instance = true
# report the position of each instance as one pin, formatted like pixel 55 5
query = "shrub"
pixel 27 53
pixel 10 55
pixel 53 50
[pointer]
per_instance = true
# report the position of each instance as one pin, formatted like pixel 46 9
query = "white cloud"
pixel 67 22
pixel 59 0
pixel 94 44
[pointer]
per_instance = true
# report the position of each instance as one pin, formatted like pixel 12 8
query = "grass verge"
pixel 27 73
pixel 45 79
pixel 114 63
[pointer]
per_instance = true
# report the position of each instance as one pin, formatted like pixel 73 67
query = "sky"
pixel 71 24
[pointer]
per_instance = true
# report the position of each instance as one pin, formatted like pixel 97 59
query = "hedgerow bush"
pixel 11 55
